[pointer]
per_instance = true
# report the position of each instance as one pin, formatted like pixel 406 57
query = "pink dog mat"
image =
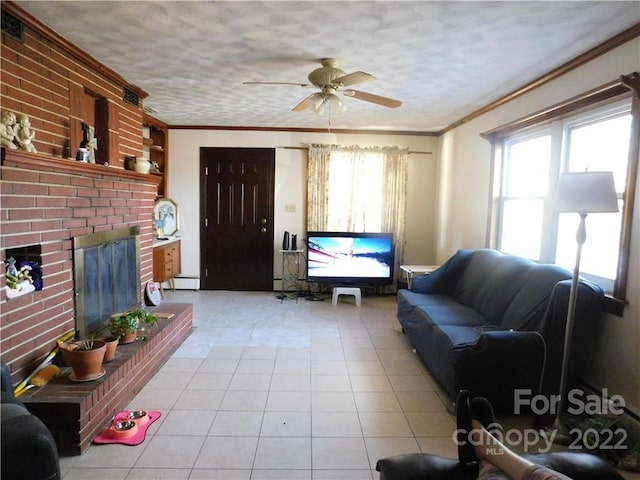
pixel 135 439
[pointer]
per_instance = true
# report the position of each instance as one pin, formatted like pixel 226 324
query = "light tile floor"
pixel 264 389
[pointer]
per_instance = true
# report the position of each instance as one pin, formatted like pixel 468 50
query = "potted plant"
pixel 125 325
pixel 85 358
pixel 112 345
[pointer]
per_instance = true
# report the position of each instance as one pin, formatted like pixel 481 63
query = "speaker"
pixel 294 242
pixel 285 241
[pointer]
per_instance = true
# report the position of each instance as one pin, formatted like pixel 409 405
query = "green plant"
pixel 123 323
pixel 147 317
pixel 127 322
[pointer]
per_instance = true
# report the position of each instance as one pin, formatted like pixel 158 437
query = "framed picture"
pixel 165 217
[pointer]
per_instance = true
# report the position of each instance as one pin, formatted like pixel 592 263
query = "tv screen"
pixel 348 258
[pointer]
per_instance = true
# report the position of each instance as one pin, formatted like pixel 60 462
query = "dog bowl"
pixel 123 429
pixel 140 417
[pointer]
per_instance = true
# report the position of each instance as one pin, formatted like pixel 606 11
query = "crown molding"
pixel 606 46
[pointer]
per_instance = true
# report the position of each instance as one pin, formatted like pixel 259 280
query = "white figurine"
pixel 7 132
pixel 24 135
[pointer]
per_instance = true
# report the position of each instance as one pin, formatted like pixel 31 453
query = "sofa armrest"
pixel 442 280
pixel 28 450
pixel 498 364
pixel 5 379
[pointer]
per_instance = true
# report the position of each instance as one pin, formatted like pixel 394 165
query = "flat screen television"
pixel 350 258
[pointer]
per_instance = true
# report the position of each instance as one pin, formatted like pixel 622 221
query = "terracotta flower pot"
pixel 86 364
pixel 128 337
pixel 112 345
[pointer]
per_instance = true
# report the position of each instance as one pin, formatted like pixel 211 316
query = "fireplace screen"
pixel 107 276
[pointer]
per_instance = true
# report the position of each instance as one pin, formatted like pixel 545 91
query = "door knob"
pixel 263 220
pixel 263 230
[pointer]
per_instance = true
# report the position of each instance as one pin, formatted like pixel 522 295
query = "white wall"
pixel 463 211
pixel 290 187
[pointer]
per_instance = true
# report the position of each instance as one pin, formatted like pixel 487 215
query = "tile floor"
pixel 264 389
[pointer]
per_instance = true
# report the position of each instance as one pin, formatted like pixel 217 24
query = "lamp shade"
pixel 586 192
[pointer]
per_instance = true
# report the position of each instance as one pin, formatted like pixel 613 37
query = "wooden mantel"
pixel 37 161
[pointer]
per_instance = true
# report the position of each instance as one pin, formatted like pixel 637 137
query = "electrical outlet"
pixel 290 208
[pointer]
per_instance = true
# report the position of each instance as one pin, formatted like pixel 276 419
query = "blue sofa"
pixel 28 450
pixel 492 323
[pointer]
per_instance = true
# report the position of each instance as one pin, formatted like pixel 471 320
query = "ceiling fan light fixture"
pixel 316 101
pixel 337 105
pixel 331 80
pixel 321 108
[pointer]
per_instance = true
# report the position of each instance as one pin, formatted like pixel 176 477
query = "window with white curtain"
pixel 530 165
pixel 355 192
pixel 356 189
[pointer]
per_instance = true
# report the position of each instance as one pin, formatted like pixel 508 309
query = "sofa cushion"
pixel 490 283
pixel 528 305
pixel 449 313
pixel 408 300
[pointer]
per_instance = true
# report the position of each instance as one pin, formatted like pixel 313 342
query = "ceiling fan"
pixel 332 80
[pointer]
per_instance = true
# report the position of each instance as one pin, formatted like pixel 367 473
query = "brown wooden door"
pixel 236 218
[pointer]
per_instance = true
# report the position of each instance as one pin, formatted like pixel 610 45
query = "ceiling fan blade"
pixel 370 97
pixel 278 83
pixel 353 78
pixel 304 104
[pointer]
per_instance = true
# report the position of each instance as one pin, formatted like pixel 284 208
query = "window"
pixel 353 189
pixel 597 142
pixel 527 164
pixel 524 185
pixel 355 192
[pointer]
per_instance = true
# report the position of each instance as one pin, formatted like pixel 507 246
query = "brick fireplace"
pixel 46 202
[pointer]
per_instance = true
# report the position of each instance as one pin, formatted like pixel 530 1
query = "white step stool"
pixel 346 291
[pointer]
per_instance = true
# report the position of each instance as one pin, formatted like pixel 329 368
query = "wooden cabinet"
pixel 166 262
pixel 155 144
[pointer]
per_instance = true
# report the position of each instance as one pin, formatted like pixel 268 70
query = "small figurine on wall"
pixel 11 267
pixel 24 135
pixel 17 282
pixel 89 144
pixel 7 132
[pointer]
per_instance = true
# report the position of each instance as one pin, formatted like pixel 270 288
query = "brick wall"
pixel 48 202
pixel 58 86
pixel 47 199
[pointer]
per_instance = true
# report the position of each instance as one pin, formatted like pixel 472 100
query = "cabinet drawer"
pixel 168 270
pixel 166 261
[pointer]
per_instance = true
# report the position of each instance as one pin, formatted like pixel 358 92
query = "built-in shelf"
pixel 154 146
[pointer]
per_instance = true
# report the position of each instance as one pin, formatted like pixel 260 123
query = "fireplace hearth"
pixel 76 412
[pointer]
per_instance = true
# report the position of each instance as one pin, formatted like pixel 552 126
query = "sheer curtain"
pixel 358 189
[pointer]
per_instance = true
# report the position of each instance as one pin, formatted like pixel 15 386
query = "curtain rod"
pixel 307 148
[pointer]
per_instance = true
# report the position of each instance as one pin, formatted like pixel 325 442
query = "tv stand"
pixel 355 291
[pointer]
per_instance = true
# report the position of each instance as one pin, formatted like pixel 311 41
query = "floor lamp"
pixel 581 193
